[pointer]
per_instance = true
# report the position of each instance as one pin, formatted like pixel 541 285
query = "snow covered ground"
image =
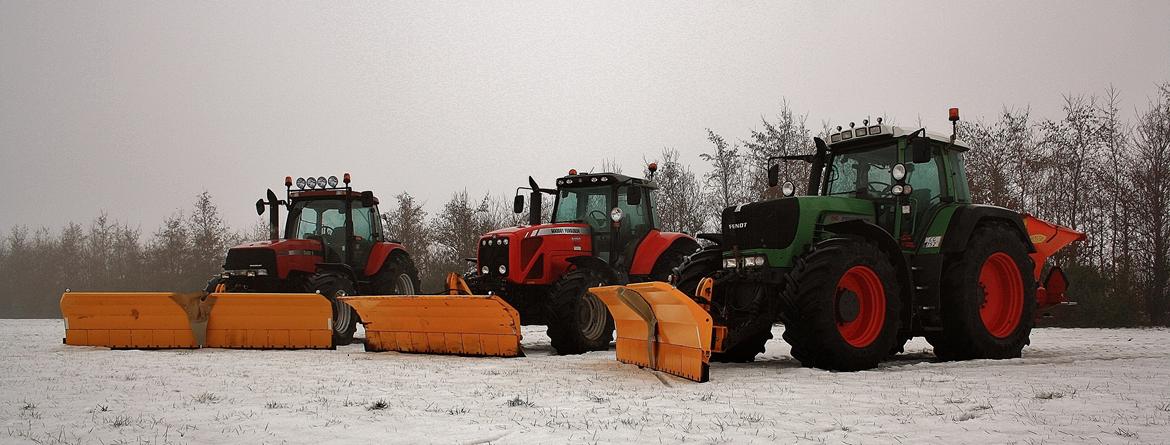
pixel 1072 386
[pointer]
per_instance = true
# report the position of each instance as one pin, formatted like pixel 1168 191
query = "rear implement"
pixel 458 323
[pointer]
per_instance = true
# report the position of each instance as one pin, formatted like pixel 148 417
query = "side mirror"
pixel 259 206
pixel 920 150
pixel 773 175
pixel 367 199
pixel 634 195
pixel 518 204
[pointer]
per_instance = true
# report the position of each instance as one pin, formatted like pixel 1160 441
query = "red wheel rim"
pixel 1003 295
pixel 863 329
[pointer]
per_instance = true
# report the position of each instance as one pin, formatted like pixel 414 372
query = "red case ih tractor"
pixel 333 245
pixel 603 231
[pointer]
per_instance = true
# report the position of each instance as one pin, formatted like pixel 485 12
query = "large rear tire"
pixel 845 302
pixel 578 322
pixel 398 276
pixel 332 285
pixel 989 298
pixel 705 263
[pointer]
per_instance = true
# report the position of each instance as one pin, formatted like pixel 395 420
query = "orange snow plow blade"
pixel 458 323
pixel 660 328
pixel 270 321
pixel 158 320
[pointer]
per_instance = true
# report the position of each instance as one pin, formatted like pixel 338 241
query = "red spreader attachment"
pixel 1049 238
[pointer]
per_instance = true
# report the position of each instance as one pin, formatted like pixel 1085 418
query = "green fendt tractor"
pixel 885 246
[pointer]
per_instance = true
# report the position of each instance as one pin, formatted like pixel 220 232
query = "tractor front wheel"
pixel 578 321
pixel 845 302
pixel 333 285
pixel 989 298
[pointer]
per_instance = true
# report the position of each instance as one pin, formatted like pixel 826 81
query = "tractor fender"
pixel 598 266
pixel 340 268
pixel 889 246
pixel 967 218
pixel 652 246
pixel 378 255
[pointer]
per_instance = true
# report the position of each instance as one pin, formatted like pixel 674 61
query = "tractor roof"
pixel 595 179
pixel 335 193
pixel 848 138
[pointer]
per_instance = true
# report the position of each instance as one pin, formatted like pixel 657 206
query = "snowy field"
pixel 1072 386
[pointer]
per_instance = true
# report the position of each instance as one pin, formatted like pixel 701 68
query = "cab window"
pixel 588 204
pixel 862 172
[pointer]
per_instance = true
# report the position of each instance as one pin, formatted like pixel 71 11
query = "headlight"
pixel 907 189
pixel 615 214
pixel 897 189
pixel 321 181
pixel 333 181
pixel 898 172
pixel 788 188
pixel 505 241
pixel 503 269
pixel 729 263
pixel 311 183
pixel 301 183
pixel 484 270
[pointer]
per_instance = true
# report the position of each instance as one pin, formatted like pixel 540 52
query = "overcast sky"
pixel 135 107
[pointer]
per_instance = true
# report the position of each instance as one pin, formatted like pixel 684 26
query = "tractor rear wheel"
pixel 705 263
pixel 332 285
pixel 844 299
pixel 398 276
pixel 990 298
pixel 578 322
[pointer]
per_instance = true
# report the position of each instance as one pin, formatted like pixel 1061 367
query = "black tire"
pixel 702 264
pixel 965 335
pixel 398 276
pixel 900 345
pixel 332 285
pixel 820 303
pixel 671 259
pixel 578 322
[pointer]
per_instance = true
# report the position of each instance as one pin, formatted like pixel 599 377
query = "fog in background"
pixel 133 108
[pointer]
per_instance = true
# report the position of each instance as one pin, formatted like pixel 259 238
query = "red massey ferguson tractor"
pixel 603 231
pixel 333 244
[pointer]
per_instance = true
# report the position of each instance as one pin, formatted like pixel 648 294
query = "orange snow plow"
pixel 162 320
pixel 457 323
pixel 660 328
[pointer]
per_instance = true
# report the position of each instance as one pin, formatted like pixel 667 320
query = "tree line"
pixel 1094 168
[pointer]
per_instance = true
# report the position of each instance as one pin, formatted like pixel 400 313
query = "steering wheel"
pixel 325 231
pixel 884 191
pixel 600 218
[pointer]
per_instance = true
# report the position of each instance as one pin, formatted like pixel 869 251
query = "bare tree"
pixel 680 206
pixel 725 184
pixel 1152 191
pixel 787 135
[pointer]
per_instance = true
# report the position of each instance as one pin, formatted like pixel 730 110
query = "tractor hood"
pixel 284 246
pixel 540 230
pixel 761 225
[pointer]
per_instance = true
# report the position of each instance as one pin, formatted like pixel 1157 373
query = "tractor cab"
pixel 618 210
pixel 907 175
pixel 345 222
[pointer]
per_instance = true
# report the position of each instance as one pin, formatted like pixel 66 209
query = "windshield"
pixel 316 217
pixel 864 173
pixel 586 204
